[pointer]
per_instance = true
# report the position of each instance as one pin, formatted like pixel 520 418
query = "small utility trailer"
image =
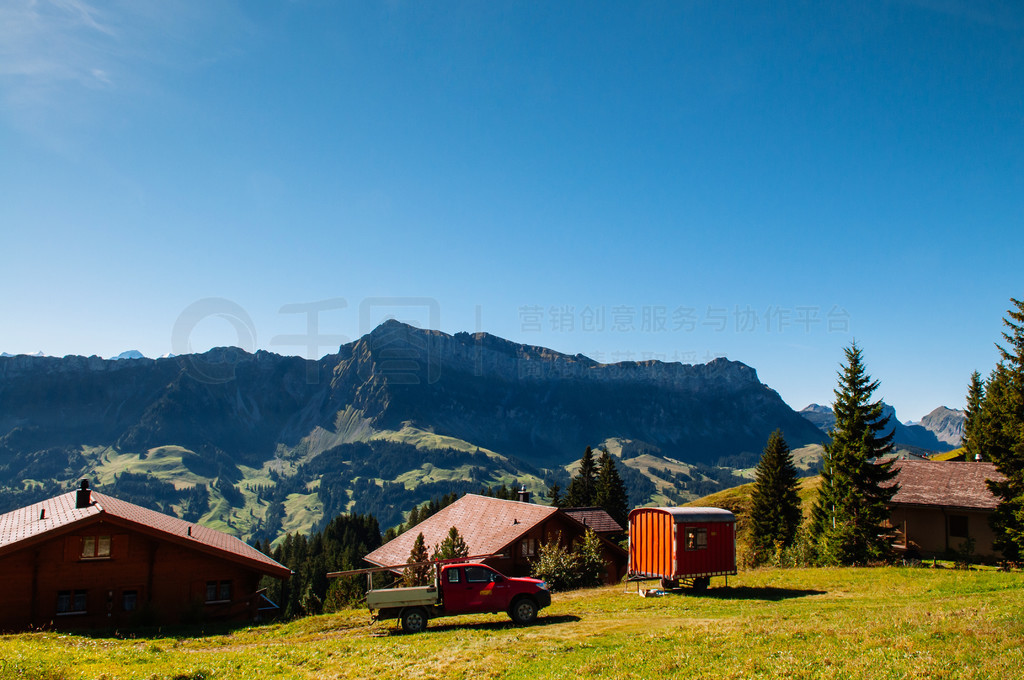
pixel 460 587
pixel 681 545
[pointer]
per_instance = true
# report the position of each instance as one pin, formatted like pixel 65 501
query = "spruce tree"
pixel 848 517
pixel 1004 435
pixel 973 441
pixel 774 504
pixel 452 546
pixel 610 493
pixel 555 495
pixel 418 575
pixel 581 491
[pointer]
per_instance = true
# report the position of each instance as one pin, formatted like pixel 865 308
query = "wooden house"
pixel 941 506
pixel 514 529
pixel 87 560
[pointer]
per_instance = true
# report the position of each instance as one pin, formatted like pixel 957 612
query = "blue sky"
pixel 682 180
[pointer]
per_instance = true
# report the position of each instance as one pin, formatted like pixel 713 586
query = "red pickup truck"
pixel 464 588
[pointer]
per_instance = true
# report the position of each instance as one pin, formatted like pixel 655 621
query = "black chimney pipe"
pixel 84 497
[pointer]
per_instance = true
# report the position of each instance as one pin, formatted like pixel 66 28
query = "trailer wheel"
pixel 414 620
pixel 523 611
pixel 701 584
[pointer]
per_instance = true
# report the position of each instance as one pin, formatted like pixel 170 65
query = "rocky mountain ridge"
pixel 399 413
pixel 937 431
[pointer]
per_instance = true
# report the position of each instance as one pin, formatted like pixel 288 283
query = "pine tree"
pixel 555 495
pixel 419 575
pixel 1004 435
pixel 610 492
pixel 774 504
pixel 582 488
pixel 452 546
pixel 848 517
pixel 973 440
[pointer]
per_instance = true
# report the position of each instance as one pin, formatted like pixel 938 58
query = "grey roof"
pixel 698 514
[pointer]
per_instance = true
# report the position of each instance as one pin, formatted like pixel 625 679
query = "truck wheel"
pixel 701 584
pixel 414 620
pixel 523 611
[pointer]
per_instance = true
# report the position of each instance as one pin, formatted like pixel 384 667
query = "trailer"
pixel 459 587
pixel 681 545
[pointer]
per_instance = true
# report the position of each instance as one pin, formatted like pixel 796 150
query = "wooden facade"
pixel 114 564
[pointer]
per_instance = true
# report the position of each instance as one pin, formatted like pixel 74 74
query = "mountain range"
pixel 938 431
pixel 262 443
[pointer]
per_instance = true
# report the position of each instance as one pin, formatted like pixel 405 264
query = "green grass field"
pixel 803 623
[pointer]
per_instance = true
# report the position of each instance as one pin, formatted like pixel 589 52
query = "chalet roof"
pixel 26 525
pixel 486 524
pixel 597 519
pixel 951 484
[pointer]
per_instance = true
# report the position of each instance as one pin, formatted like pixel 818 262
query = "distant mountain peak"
pixel 130 354
pixel 923 436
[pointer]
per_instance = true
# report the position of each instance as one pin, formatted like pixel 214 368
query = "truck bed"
pixel 387 598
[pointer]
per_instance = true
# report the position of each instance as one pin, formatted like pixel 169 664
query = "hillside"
pixel 779 623
pixel 257 444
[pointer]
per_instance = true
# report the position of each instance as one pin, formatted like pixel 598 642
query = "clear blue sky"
pixel 679 180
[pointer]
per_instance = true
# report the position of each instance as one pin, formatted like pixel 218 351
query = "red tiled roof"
pixel 594 518
pixel 951 484
pixel 487 525
pixel 24 524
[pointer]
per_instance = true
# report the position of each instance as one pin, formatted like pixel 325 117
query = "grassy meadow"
pixel 886 622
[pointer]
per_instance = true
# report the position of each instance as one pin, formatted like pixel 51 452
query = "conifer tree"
pixel 1004 435
pixel 973 441
pixel 418 575
pixel 582 488
pixel 848 517
pixel 774 504
pixel 555 495
pixel 610 493
pixel 452 546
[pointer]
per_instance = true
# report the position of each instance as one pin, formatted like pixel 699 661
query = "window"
pixel 528 547
pixel 958 526
pixel 453 576
pixel 696 538
pixel 94 547
pixel 129 600
pixel 479 575
pixel 218 591
pixel 71 601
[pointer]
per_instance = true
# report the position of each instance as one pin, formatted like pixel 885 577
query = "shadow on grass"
pixel 498 625
pixel 176 631
pixel 747 593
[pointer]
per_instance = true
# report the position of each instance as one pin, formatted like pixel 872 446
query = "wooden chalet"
pixel 514 529
pixel 940 505
pixel 87 560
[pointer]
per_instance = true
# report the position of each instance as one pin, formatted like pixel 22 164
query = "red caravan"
pixel 682 544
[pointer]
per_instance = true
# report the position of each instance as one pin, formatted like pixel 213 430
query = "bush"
pixel 564 570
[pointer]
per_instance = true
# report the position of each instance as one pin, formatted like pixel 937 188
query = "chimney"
pixel 523 496
pixel 977 457
pixel 84 497
pixel 42 514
